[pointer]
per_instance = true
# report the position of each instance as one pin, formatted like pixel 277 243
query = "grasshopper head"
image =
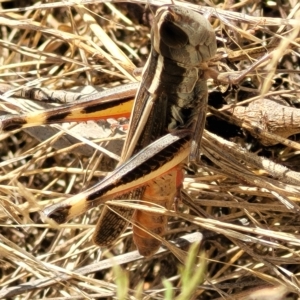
pixel 183 35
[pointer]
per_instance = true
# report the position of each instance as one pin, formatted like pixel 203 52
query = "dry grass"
pixel 247 186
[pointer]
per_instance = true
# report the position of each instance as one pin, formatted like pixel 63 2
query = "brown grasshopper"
pixel 169 113
pixel 166 126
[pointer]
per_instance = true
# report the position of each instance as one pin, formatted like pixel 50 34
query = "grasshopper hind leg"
pixel 199 121
pixel 111 224
pixel 113 221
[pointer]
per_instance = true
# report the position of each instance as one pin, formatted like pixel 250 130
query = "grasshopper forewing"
pixel 167 122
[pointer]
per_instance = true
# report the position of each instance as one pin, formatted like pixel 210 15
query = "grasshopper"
pixel 166 127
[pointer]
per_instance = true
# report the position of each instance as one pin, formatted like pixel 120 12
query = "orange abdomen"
pixel 159 192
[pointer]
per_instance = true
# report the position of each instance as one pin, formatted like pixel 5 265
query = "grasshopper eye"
pixel 172 35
